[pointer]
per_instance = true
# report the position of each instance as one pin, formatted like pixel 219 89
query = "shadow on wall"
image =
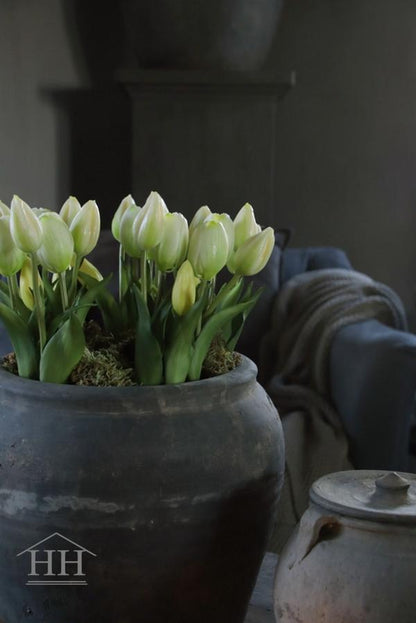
pixel 94 122
pixel 97 36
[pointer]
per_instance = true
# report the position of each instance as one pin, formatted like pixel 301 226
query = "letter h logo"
pixel 52 566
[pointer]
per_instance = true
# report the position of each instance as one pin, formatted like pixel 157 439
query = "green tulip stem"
pixel 157 283
pixel 64 290
pixel 39 303
pixel 75 270
pixel 14 284
pixel 128 272
pixel 201 292
pixel 211 290
pixel 11 294
pixel 151 273
pixel 135 269
pixel 13 290
pixel 121 262
pixel 143 274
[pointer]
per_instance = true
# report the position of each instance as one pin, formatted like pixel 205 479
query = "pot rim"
pixel 244 373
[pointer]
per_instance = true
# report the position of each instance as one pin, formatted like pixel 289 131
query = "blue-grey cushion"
pixel 300 260
pixel 373 382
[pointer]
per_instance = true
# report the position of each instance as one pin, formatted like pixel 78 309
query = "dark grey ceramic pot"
pixel 162 496
pixel 201 34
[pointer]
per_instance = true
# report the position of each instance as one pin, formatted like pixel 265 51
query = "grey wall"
pixel 64 122
pixel 35 58
pixel 346 135
pixel 346 144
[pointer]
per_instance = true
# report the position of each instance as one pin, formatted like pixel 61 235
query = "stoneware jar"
pixel 353 556
pixel 135 504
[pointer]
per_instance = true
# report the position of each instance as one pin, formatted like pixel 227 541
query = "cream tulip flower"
pixel 85 228
pixel 252 256
pixel 24 226
pixel 208 248
pixel 184 289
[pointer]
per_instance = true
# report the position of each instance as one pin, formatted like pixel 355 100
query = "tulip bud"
pixel 172 248
pixel 85 228
pixel 89 269
pixel 39 211
pixel 226 221
pixel 70 209
pixel 26 284
pixel 208 248
pixel 184 289
pixel 11 258
pixel 24 226
pixel 149 223
pixel 199 216
pixel 4 209
pixel 57 248
pixel 118 215
pixel 252 256
pixel 126 233
pixel 245 225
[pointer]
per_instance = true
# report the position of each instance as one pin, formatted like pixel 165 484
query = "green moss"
pixel 108 361
pixel 10 364
pixel 102 368
pixel 219 359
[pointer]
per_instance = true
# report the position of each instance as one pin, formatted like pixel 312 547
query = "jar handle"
pixel 314 528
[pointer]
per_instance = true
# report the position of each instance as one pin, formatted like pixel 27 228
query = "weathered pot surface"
pixel 353 556
pixel 165 494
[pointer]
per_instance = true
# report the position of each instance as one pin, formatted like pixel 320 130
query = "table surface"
pixel 260 609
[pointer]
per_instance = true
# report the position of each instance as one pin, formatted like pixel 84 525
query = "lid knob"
pixel 375 495
pixel 393 482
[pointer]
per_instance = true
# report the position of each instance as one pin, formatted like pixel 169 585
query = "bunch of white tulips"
pixel 167 296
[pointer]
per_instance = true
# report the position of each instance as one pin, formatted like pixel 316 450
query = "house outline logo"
pixel 56 559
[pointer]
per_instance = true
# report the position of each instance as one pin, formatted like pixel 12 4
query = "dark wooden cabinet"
pixel 205 138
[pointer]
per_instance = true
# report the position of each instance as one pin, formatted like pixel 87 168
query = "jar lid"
pixel 368 494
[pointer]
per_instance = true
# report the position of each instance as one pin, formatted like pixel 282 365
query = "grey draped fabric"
pixel 308 312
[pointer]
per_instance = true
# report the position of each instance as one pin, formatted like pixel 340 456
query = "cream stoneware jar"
pixel 352 558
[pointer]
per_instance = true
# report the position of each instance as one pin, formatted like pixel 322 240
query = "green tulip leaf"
pixel 124 277
pixel 3 287
pixel 148 354
pixel 180 349
pixel 87 298
pixel 160 318
pixel 227 296
pixel 22 340
pixel 53 297
pixel 18 306
pixel 62 352
pixel 237 323
pixel 5 298
pixel 231 331
pixel 106 302
pixel 22 310
pixel 212 327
